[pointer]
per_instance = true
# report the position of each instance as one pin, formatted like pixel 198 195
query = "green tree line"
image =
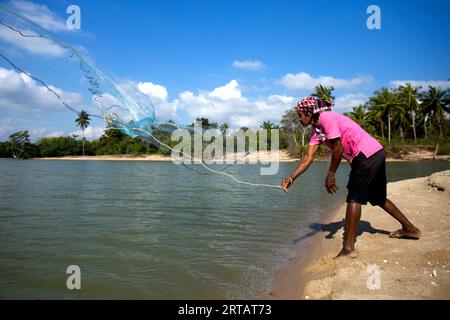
pixel 401 116
pixel 405 115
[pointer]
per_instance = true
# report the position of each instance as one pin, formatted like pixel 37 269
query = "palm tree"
pixel 83 122
pixel 376 114
pixel 359 114
pixel 435 102
pixel 409 95
pixel 213 125
pixel 224 127
pixel 384 101
pixel 323 92
pixel 400 117
pixel 426 116
pixel 267 125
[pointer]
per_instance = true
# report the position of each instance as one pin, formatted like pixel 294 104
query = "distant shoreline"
pixel 259 156
pixel 168 159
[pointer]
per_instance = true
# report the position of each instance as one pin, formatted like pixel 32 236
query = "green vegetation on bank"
pixel 404 119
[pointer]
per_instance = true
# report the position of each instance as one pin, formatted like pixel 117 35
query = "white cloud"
pixel 40 14
pixel 108 104
pixel 44 132
pixel 90 133
pixel 304 81
pixel 154 90
pixel 229 91
pixel 20 93
pixel 39 46
pixel 45 18
pixel 55 134
pixel 346 102
pixel 35 133
pixel 251 65
pixel 137 101
pixel 443 84
pixel 226 104
pixel 158 95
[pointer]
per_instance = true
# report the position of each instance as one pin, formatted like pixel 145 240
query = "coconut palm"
pixel 83 121
pixel 323 92
pixel 401 119
pixel 359 114
pixel 376 115
pixel 409 96
pixel 435 102
pixel 224 127
pixel 267 125
pixel 213 125
pixel 384 101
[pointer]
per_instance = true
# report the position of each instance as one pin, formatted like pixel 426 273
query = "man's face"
pixel 305 118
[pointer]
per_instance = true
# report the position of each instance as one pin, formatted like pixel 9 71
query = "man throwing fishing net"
pixel 367 182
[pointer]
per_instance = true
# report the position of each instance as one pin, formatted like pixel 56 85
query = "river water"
pixel 155 230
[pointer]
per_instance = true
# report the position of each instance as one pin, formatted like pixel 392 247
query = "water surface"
pixel 154 230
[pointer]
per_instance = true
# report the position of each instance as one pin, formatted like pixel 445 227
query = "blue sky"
pixel 235 61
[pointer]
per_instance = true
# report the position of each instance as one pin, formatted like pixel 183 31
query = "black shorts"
pixel 368 179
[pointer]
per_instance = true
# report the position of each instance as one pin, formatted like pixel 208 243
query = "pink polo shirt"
pixel 353 138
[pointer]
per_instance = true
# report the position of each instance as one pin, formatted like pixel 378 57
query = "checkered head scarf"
pixel 314 105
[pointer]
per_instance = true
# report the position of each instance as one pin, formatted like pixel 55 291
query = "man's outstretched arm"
pixel 302 167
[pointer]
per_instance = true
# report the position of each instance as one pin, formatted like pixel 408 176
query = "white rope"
pixel 208 168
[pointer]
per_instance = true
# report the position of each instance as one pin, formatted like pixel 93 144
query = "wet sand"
pixel 407 269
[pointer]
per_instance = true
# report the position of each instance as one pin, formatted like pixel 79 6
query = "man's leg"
pixel 352 216
pixel 408 229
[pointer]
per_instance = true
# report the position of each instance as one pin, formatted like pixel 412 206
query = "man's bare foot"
pixel 406 234
pixel 347 253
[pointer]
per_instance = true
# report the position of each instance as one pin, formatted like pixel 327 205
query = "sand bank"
pixel 407 269
pixel 147 157
pixel 258 156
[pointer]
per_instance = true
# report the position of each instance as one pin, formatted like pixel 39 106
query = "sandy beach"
pixel 147 157
pixel 258 156
pixel 406 269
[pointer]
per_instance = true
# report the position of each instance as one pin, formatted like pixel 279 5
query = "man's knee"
pixel 353 209
pixel 381 204
pixel 353 204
